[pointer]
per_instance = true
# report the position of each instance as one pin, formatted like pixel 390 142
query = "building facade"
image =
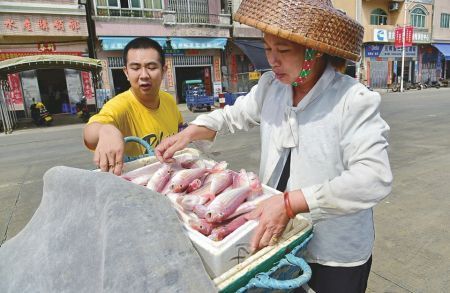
pixel 194 34
pixel 44 27
pixel 441 36
pixel 381 61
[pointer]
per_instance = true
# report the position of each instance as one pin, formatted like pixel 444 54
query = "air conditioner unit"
pixel 393 6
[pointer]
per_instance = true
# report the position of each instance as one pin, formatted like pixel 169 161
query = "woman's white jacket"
pixel 339 158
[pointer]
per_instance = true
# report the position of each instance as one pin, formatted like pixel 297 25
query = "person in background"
pixel 323 141
pixel 144 110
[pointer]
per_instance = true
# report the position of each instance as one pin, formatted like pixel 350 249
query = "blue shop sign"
pixel 389 51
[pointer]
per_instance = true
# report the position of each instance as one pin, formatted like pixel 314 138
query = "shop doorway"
pixel 408 71
pixel 53 89
pixel 192 72
pixel 121 84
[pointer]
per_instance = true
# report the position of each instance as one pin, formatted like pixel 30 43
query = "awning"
pixel 444 49
pixel 48 61
pixel 254 50
pixel 118 43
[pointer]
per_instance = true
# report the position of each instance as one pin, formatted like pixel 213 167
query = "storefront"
pixel 41 34
pixel 383 64
pixel 186 59
pixel 246 60
pixel 443 60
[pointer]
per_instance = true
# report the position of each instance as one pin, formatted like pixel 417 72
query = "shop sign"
pixel 173 52
pixel 389 51
pixel 233 69
pixel 417 36
pixel 38 24
pixel 169 73
pixel 380 35
pixel 398 41
pixel 255 75
pixel 105 76
pixel 216 66
pixel 15 94
pixel 87 87
pixel 10 55
pixel 46 47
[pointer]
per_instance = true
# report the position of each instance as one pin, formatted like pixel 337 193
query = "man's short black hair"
pixel 144 43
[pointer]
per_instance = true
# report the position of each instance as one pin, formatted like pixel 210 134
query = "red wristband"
pixel 287 205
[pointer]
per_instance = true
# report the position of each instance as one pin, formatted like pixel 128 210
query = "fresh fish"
pixel 160 178
pixel 194 185
pixel 226 203
pixel 221 232
pixel 202 226
pixel 200 210
pixel 183 178
pixel 146 170
pixel 189 201
pixel 255 184
pixel 220 181
pixel 244 208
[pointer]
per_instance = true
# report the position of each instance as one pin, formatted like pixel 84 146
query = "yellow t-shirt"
pixel 134 119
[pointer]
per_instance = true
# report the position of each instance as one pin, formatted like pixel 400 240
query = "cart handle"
pixel 263 280
pixel 146 145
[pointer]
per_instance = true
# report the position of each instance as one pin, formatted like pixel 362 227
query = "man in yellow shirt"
pixel 143 111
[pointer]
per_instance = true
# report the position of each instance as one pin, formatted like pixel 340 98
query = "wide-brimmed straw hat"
pixel 315 24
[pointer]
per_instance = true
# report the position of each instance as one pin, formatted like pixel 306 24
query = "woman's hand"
pixel 168 146
pixel 272 222
pixel 108 155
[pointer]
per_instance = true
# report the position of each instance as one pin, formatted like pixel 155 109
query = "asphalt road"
pixel 412 252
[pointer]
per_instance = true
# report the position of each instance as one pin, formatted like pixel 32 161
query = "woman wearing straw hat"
pixel 323 140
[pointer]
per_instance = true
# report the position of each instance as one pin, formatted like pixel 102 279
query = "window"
pixel 445 20
pixel 378 17
pixel 418 17
pixel 130 8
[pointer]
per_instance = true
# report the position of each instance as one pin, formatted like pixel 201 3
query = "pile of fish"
pixel 220 198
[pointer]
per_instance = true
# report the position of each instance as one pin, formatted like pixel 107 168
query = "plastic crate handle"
pixel 145 144
pixel 263 280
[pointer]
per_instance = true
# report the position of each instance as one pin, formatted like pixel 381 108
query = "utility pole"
pixel 403 44
pixel 91 29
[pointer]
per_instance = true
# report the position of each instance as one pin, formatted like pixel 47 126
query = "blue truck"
pixel 195 95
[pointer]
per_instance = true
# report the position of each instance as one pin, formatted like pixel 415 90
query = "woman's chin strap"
pixel 310 55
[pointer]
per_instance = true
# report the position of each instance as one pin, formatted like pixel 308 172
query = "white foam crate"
pixel 217 256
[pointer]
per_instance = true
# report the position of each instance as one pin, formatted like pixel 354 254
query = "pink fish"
pixel 160 178
pixel 183 178
pixel 199 196
pixel 202 226
pixel 220 181
pixel 200 210
pixel 221 232
pixel 244 208
pixel 194 185
pixel 226 203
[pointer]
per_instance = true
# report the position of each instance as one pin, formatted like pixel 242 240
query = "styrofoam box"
pixel 218 256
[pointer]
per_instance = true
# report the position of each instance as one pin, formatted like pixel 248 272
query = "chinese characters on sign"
pixel 169 74
pixel 9 24
pixel 216 61
pixel 15 95
pixel 87 87
pixel 43 24
pixel 399 36
pixel 389 51
pixel 59 24
pixel 74 25
pixel 46 47
pixel 35 24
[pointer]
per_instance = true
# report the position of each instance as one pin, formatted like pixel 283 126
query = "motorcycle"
pixel 40 114
pixel 83 110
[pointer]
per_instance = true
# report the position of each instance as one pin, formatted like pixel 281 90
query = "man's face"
pixel 144 72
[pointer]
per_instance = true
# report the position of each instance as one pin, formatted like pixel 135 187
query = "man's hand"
pixel 110 148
